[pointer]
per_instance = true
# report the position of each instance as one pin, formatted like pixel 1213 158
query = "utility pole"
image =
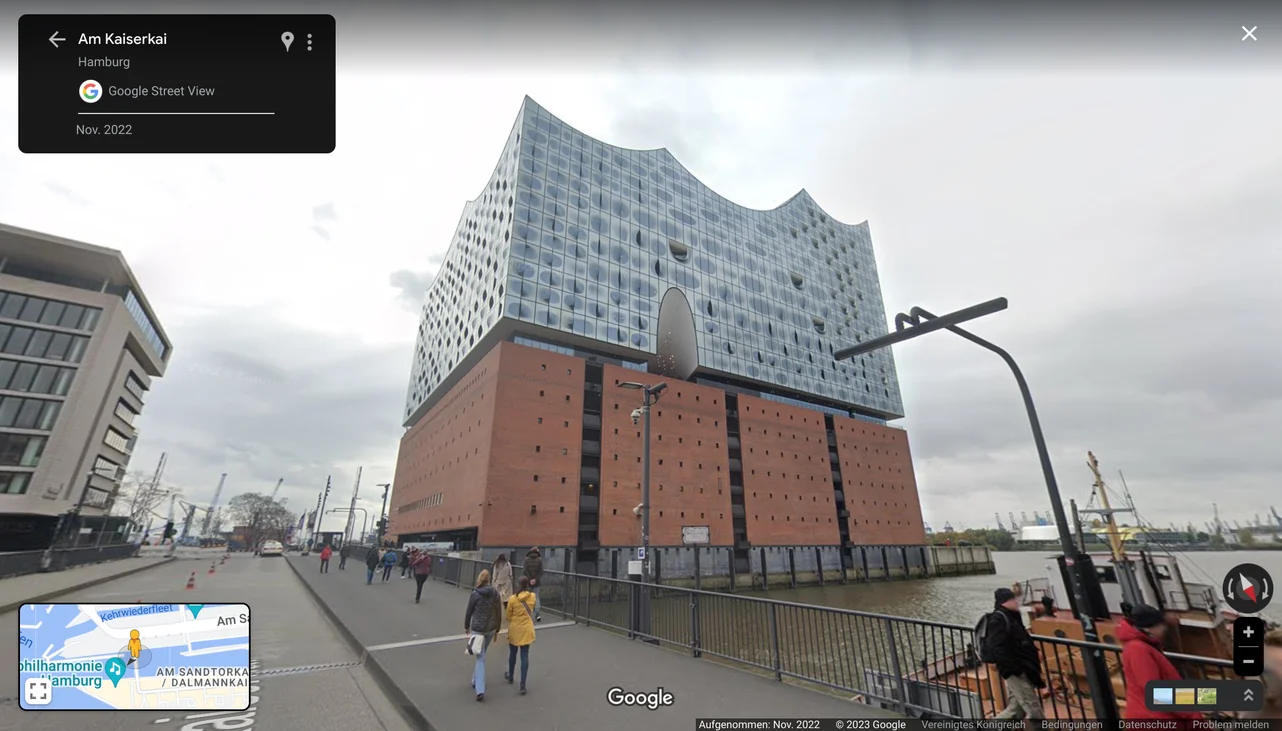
pixel 382 516
pixel 320 515
pixel 351 513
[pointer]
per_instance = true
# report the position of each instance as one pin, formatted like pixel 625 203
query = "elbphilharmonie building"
pixel 583 265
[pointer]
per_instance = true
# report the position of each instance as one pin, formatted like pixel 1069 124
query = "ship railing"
pixel 914 667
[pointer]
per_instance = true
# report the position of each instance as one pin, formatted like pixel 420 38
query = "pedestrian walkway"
pixel 419 647
pixel 29 588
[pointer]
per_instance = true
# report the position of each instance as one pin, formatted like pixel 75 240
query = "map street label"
pixel 157 657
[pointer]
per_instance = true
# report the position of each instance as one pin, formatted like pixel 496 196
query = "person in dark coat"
pixel 343 553
pixel 533 569
pixel 483 617
pixel 1141 635
pixel 372 560
pixel 405 564
pixel 422 566
pixel 1015 655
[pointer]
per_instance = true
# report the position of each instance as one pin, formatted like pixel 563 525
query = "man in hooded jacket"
pixel 533 569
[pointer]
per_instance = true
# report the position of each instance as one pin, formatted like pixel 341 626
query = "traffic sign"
pixel 641 553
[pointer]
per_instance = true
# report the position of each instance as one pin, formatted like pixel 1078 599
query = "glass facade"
pixel 576 236
pixel 149 332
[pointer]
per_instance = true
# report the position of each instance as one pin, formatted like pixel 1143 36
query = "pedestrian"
pixel 371 564
pixel 389 563
pixel 405 564
pixel 325 554
pixel 1271 677
pixel 501 577
pixel 1141 635
pixel 484 614
pixel 342 558
pixel 533 569
pixel 422 569
pixel 1005 642
pixel 520 631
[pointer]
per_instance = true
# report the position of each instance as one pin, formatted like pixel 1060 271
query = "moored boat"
pixel 959 685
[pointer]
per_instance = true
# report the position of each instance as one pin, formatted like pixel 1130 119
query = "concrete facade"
pixel 117 351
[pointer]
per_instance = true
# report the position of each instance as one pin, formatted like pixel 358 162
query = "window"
pixel 18 339
pixel 21 450
pixel 28 413
pixel 104 467
pixel 14 483
pixel 134 386
pixel 125 413
pixel 39 344
pixel 116 441
pixel 49 312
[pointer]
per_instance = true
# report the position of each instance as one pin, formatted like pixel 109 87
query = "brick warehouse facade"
pixel 503 457
pixel 582 265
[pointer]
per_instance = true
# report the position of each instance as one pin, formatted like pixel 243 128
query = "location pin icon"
pixel 287 38
pixel 115 670
pixel 195 609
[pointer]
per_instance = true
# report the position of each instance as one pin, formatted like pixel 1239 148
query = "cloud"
pixel 252 395
pixel 411 287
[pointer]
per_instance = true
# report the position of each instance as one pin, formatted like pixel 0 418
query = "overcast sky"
pixel 1131 217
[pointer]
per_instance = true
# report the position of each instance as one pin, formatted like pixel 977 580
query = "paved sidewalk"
pixel 419 649
pixel 30 588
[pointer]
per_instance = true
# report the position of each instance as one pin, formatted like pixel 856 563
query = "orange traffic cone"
pixel 191 583
pixel 211 568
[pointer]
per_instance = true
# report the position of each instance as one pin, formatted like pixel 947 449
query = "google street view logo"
pixel 90 91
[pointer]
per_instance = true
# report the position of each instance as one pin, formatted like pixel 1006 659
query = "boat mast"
pixel 1117 546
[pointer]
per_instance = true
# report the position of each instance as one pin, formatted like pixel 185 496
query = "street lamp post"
pixel 1087 594
pixel 364 518
pixel 650 397
pixel 382 516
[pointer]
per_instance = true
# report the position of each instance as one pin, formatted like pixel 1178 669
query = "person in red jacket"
pixel 1141 636
pixel 325 554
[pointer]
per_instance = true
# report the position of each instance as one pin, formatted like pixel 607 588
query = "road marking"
pixel 449 638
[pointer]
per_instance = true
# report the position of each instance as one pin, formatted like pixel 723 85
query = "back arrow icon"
pixel 55 38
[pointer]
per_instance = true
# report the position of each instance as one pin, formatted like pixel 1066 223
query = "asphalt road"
pixel 305 676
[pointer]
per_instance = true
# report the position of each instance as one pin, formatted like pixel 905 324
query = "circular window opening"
pixel 797 281
pixel 819 325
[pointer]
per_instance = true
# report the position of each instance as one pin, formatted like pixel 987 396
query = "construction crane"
pixel 276 491
pixel 1014 524
pixel 209 512
pixel 1276 517
pixel 1000 527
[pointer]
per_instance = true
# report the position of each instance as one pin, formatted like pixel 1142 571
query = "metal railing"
pixel 30 562
pixel 914 667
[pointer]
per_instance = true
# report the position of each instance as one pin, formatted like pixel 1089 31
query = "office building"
pixel 79 347
pixel 581 266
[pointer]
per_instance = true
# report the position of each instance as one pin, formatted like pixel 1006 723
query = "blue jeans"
pixel 478 673
pixel 369 576
pixel 525 661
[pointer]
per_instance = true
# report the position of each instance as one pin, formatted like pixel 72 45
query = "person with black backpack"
pixel 1003 641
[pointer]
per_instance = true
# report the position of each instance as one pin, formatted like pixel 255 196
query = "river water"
pixel 962 599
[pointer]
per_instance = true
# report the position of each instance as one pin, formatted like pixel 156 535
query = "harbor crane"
pixel 1000 527
pixel 276 491
pixel 209 511
pixel 1277 518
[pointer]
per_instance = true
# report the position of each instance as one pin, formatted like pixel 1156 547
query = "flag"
pixel 311 520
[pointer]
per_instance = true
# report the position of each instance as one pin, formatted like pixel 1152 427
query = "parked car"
pixel 272 548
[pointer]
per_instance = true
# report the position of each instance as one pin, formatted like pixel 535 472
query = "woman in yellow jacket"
pixel 520 630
